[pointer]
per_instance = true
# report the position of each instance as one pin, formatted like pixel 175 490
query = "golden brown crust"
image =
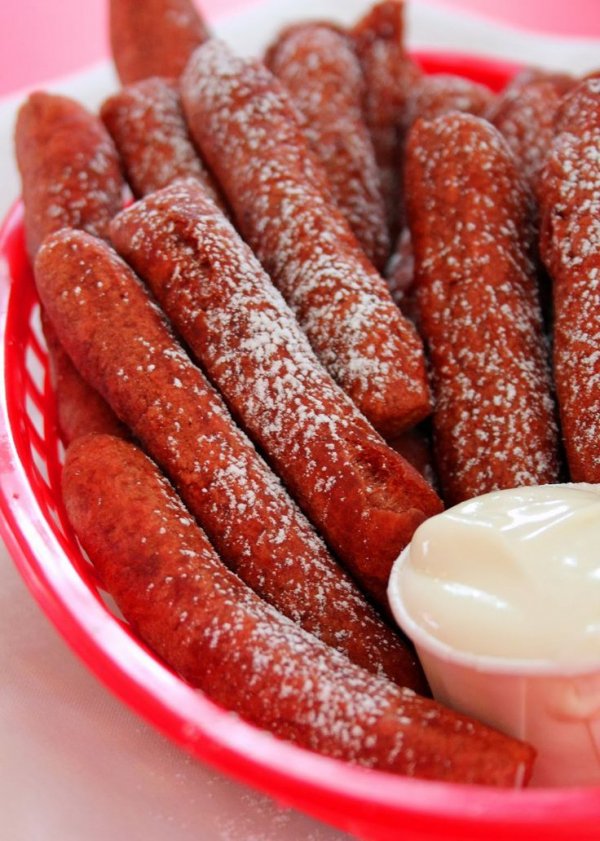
pixel 214 631
pixel 227 311
pixel 119 341
pixel 153 37
pixel 146 122
pixel 321 72
pixel 568 195
pixel 70 171
pixel 245 126
pixel 479 311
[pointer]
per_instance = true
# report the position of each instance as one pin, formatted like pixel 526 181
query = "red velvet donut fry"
pixel 80 409
pixel 321 72
pixel 479 311
pixel 203 621
pixel 440 93
pixel 70 177
pixel 120 342
pixel 569 199
pixel 524 114
pixel 219 299
pixel 146 122
pixel 69 167
pixel 430 97
pixel 153 37
pixel 390 76
pixel 246 128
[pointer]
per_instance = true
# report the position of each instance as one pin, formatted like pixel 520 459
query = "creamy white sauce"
pixel 514 573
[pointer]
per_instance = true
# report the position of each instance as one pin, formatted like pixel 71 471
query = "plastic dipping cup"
pixel 553 706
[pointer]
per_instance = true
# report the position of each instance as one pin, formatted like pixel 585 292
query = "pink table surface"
pixel 40 39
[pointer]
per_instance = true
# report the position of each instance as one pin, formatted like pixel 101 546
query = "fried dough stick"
pixel 222 303
pixel 153 37
pixel 212 629
pixel 479 310
pixel 569 199
pixel 430 97
pixel 71 177
pixel 69 168
pixel 146 122
pixel 120 342
pixel 245 126
pixel 320 70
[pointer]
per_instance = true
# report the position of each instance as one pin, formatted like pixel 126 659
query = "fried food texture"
pixel 390 76
pixel 246 338
pixel 122 344
pixel 524 113
pixel 569 200
pixel 146 122
pixel 80 409
pixel 322 73
pixel 153 37
pixel 69 167
pixel 245 125
pixel 479 311
pixel 216 633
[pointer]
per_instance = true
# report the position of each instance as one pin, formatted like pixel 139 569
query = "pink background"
pixel 41 39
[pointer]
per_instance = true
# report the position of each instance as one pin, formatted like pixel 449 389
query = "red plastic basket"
pixel 370 804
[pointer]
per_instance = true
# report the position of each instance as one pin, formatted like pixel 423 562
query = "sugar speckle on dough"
pixel 244 123
pixel 479 309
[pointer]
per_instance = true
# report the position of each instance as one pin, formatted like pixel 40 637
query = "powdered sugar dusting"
pixel 322 73
pixel 203 621
pixel 479 309
pixel 389 75
pixel 247 130
pixel 83 192
pixel 439 93
pixel 570 204
pixel 238 325
pixel 152 385
pixel 69 168
pixel 217 633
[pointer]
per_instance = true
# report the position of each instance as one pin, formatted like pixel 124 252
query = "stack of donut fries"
pixel 341 295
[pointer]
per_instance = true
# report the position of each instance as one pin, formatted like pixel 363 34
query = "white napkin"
pixel 74 762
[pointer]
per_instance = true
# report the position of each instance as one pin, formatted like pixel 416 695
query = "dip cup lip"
pixel 491 664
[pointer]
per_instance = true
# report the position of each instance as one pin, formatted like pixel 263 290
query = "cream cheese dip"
pixel 514 573
pixel 501 597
